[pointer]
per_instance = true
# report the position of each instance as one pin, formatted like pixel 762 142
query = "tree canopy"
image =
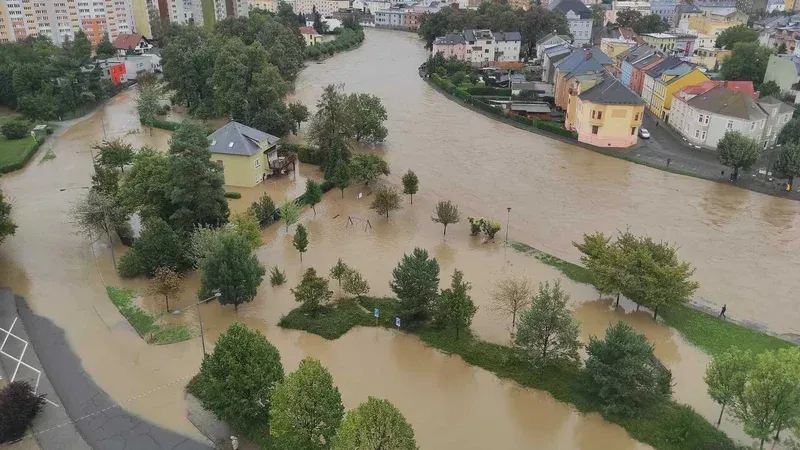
pixel 788 162
pixel 747 62
pixel 374 424
pixel 312 292
pixel 385 200
pixel 233 270
pixel 726 377
pixel 410 184
pixel 446 213
pixel 415 283
pixel 454 308
pixel 651 23
pixel 731 36
pixel 7 226
pixel 368 167
pixel 738 151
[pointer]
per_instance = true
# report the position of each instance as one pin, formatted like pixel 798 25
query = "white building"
pixel 480 47
pixel 390 18
pixel 579 19
pixel 703 118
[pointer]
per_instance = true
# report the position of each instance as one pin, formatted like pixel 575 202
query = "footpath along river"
pixel 556 191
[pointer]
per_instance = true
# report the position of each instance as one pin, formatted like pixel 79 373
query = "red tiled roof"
pixel 127 41
pixel 307 30
pixel 745 87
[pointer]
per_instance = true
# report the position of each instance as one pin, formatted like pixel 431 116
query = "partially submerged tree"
pixel 157 246
pixel 510 297
pixel 788 162
pixel 386 199
pixel 446 213
pixel 237 379
pixel 374 424
pixel 453 308
pixel 7 226
pixel 306 408
pixel 410 184
pixel 313 194
pixel 148 105
pixel 246 225
pixel 366 117
pixel 166 282
pixel 299 114
pixel 263 209
pixel 19 405
pixel 341 176
pixel 290 213
pixel 97 214
pixel 115 153
pixel 726 377
pixel 547 331
pixel 312 292
pixel 367 167
pixel 339 270
pixel 416 284
pixel 232 270
pixel 737 151
pixel 300 240
pixel 354 284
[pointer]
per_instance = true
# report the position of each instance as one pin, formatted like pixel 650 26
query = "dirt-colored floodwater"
pixel 556 192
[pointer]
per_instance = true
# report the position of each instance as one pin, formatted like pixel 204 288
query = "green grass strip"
pixel 144 323
pixel 669 426
pixel 710 333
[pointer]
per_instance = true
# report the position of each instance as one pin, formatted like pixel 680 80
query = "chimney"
pixel 588 56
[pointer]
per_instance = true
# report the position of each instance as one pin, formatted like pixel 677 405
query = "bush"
pixel 481 225
pixel 26 156
pixel 461 93
pixel 233 195
pixel 162 110
pixel 158 246
pixel 524 120
pixel 15 129
pixel 310 155
pixel 49 130
pixel 276 277
pixel 263 209
pixel 554 127
pixel 166 125
pixel 18 407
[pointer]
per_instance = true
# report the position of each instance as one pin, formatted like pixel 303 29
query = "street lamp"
pixel 508 218
pixel 199 317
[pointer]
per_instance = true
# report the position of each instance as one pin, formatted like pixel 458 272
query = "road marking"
pixel 19 360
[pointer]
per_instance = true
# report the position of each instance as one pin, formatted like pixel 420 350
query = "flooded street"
pixel 742 243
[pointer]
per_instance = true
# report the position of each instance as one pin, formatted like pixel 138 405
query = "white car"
pixel 643 133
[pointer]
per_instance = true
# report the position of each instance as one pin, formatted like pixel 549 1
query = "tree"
pixel 16 129
pixel 737 150
pixel 374 424
pixel 781 49
pixel 769 88
pixel 446 213
pixel 203 241
pixel 232 270
pixel 313 194
pixel 312 292
pixel 747 62
pixel 547 332
pixel 605 263
pixel 157 246
pixel 7 226
pixel 166 282
pixel 628 18
pixel 306 408
pixel 115 153
pixel 726 377
pixel 97 214
pixel 415 283
pixel 788 162
pixel 330 125
pixel 263 209
pixel 458 78
pixel 105 49
pixel 386 200
pixel 790 132
pixel 299 114
pixel 290 213
pixel 731 36
pixel 341 176
pixel 770 400
pixel 19 405
pixel 651 23
pixel 354 283
pixel 300 240
pixel 339 270
pixel 598 15
pixel 148 105
pixel 623 374
pixel 366 117
pixel 367 167
pixel 510 297
pixel 237 379
pixel 246 225
pixel 453 308
pixel 410 184
pixel 319 26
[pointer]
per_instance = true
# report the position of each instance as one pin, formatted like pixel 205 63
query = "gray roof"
pixel 584 67
pixel 611 91
pixel 539 107
pixel 575 6
pixel 450 39
pixel 237 139
pixel 663 66
pixel 646 61
pixel 772 101
pixel 722 100
pixel 684 8
pixel 573 60
pixel 557 49
pixel 471 35
pixel 507 36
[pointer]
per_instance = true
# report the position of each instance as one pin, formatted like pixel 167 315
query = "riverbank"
pixel 668 426
pixel 684 161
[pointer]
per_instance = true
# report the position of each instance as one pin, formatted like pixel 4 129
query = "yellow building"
pixel 247 155
pixel 614 46
pixel 310 35
pixel 141 18
pixel 669 83
pixel 660 41
pixel 608 114
pixel 710 58
pixel 713 25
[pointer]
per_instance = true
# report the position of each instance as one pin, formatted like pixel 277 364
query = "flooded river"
pixel 742 243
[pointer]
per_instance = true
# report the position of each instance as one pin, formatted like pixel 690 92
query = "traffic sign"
pixel 376 312
pixel 397 321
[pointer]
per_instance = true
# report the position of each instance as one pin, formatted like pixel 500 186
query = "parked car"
pixel 643 133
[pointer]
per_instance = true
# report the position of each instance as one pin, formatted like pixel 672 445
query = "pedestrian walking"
pixel 722 313
pixel 658 124
pixel 669 160
pixel 722 173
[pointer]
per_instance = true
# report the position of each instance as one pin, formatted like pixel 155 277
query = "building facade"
pixel 245 154
pixel 608 114
pixel 669 83
pixel 579 19
pixel 664 8
pixel 479 47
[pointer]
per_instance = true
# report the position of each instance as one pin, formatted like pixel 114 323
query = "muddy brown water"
pixel 556 192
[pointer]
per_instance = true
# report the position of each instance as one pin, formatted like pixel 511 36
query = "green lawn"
pixel 707 332
pixel 14 154
pixel 667 426
pixel 143 322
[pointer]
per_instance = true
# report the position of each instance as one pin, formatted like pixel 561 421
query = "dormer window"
pixel 230 145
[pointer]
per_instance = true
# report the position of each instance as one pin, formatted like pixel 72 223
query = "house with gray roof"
pixel 247 155
pixel 579 19
pixel 551 40
pixel 551 56
pixel 654 73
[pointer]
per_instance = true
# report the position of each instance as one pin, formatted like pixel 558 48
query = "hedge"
pixel 486 90
pixel 461 93
pixel 486 107
pixel 26 156
pixel 173 126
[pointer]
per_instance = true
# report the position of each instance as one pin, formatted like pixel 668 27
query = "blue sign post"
pixel 377 313
pixel 397 321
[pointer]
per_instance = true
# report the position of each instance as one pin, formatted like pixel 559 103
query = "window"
pixel 785 118
pixel 257 163
pixel 752 126
pixel 730 125
pixel 769 131
pixel 599 114
pixel 633 131
pixel 696 134
pixel 595 129
pixel 486 51
pixel 594 114
pixel 258 178
pixel 703 135
pixel 700 118
pixel 636 117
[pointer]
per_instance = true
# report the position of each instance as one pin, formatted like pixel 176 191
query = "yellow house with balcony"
pixel 608 114
pixel 670 82
pixel 247 155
